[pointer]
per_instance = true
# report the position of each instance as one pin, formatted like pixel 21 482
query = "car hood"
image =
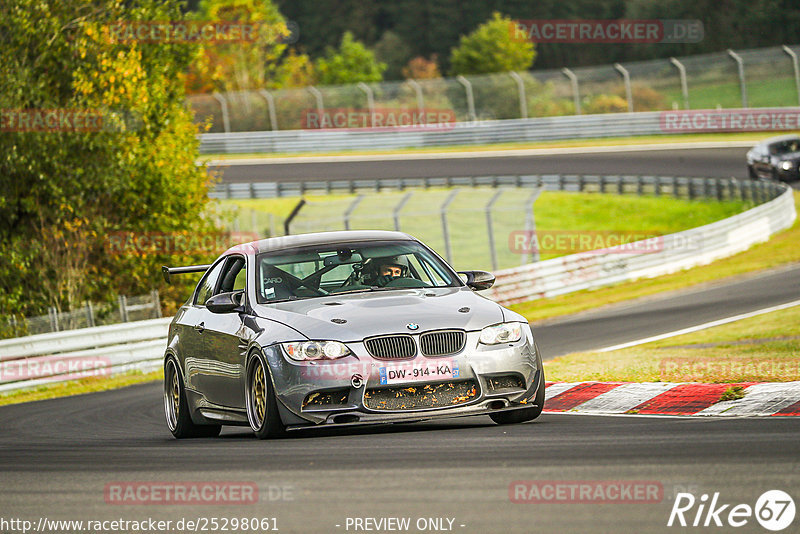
pixel 789 156
pixel 384 312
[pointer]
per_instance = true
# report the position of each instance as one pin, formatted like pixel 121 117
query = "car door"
pixel 226 339
pixel 192 324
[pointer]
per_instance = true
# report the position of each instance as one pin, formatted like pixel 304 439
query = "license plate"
pixel 419 372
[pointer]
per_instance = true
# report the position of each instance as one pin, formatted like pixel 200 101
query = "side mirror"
pixel 477 280
pixel 225 302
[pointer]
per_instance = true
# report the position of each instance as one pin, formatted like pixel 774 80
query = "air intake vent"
pixel 442 343
pixel 391 347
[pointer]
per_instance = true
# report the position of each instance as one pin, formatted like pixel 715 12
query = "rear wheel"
pixel 176 408
pixel 262 408
pixel 523 414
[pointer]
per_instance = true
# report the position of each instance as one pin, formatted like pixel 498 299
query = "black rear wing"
pixel 167 271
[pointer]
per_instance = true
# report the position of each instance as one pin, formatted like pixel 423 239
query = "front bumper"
pixel 346 382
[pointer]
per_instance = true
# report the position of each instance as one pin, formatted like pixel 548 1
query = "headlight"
pixel 786 165
pixel 501 333
pixel 315 350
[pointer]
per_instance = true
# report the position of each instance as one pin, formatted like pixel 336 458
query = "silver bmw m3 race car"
pixel 343 328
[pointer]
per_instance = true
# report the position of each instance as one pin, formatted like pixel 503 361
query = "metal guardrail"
pixel 677 186
pixel 468 133
pixel 671 253
pixel 102 351
pixel 462 133
pixel 88 352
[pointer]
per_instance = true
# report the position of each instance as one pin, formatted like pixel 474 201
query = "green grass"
pixel 467 227
pixel 762 348
pixel 781 249
pixel 566 143
pixel 775 92
pixel 78 387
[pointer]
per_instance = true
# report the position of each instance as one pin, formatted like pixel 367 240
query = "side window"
pixel 240 280
pixel 233 275
pixel 208 284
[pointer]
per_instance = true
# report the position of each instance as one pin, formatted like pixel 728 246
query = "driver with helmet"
pixel 381 271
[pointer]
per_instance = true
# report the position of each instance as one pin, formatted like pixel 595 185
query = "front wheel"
pixel 176 408
pixel 523 414
pixel 262 409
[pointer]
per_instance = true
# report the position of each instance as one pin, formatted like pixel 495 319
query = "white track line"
pixel 478 153
pixel 700 327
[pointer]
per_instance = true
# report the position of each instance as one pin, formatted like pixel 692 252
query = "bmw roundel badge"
pixel 412 326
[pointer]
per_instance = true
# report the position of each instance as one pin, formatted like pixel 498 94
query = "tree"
pixel 420 68
pixel 352 62
pixel 240 65
pixel 493 47
pixel 393 51
pixel 65 190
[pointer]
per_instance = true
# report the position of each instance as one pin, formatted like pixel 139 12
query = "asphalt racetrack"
pixel 703 162
pixel 58 458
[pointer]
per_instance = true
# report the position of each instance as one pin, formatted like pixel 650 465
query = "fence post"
pixel 53 316
pixel 793 57
pixel 470 98
pixel 370 101
pixel 89 314
pixel 740 64
pixel 400 206
pixel 156 303
pixel 684 84
pixel 318 97
pixel 420 100
pixel 226 120
pixel 639 185
pixel 575 94
pixel 349 211
pixel 523 101
pixel 273 117
pixel 445 231
pixel 626 77
pixel 123 308
pixel 530 226
pixel 292 215
pixel 489 230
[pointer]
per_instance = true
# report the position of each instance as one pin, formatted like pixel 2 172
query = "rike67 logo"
pixel 774 510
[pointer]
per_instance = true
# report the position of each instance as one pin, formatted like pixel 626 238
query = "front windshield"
pixel 318 270
pixel 786 147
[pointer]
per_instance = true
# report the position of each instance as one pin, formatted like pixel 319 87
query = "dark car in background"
pixel 776 158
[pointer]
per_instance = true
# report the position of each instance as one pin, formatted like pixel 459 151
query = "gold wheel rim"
pixel 259 393
pixel 176 394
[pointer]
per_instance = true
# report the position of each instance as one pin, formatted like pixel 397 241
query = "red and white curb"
pixel 665 398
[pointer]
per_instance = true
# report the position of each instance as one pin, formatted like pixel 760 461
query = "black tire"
pixel 176 409
pixel 752 173
pixel 524 414
pixel 262 408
